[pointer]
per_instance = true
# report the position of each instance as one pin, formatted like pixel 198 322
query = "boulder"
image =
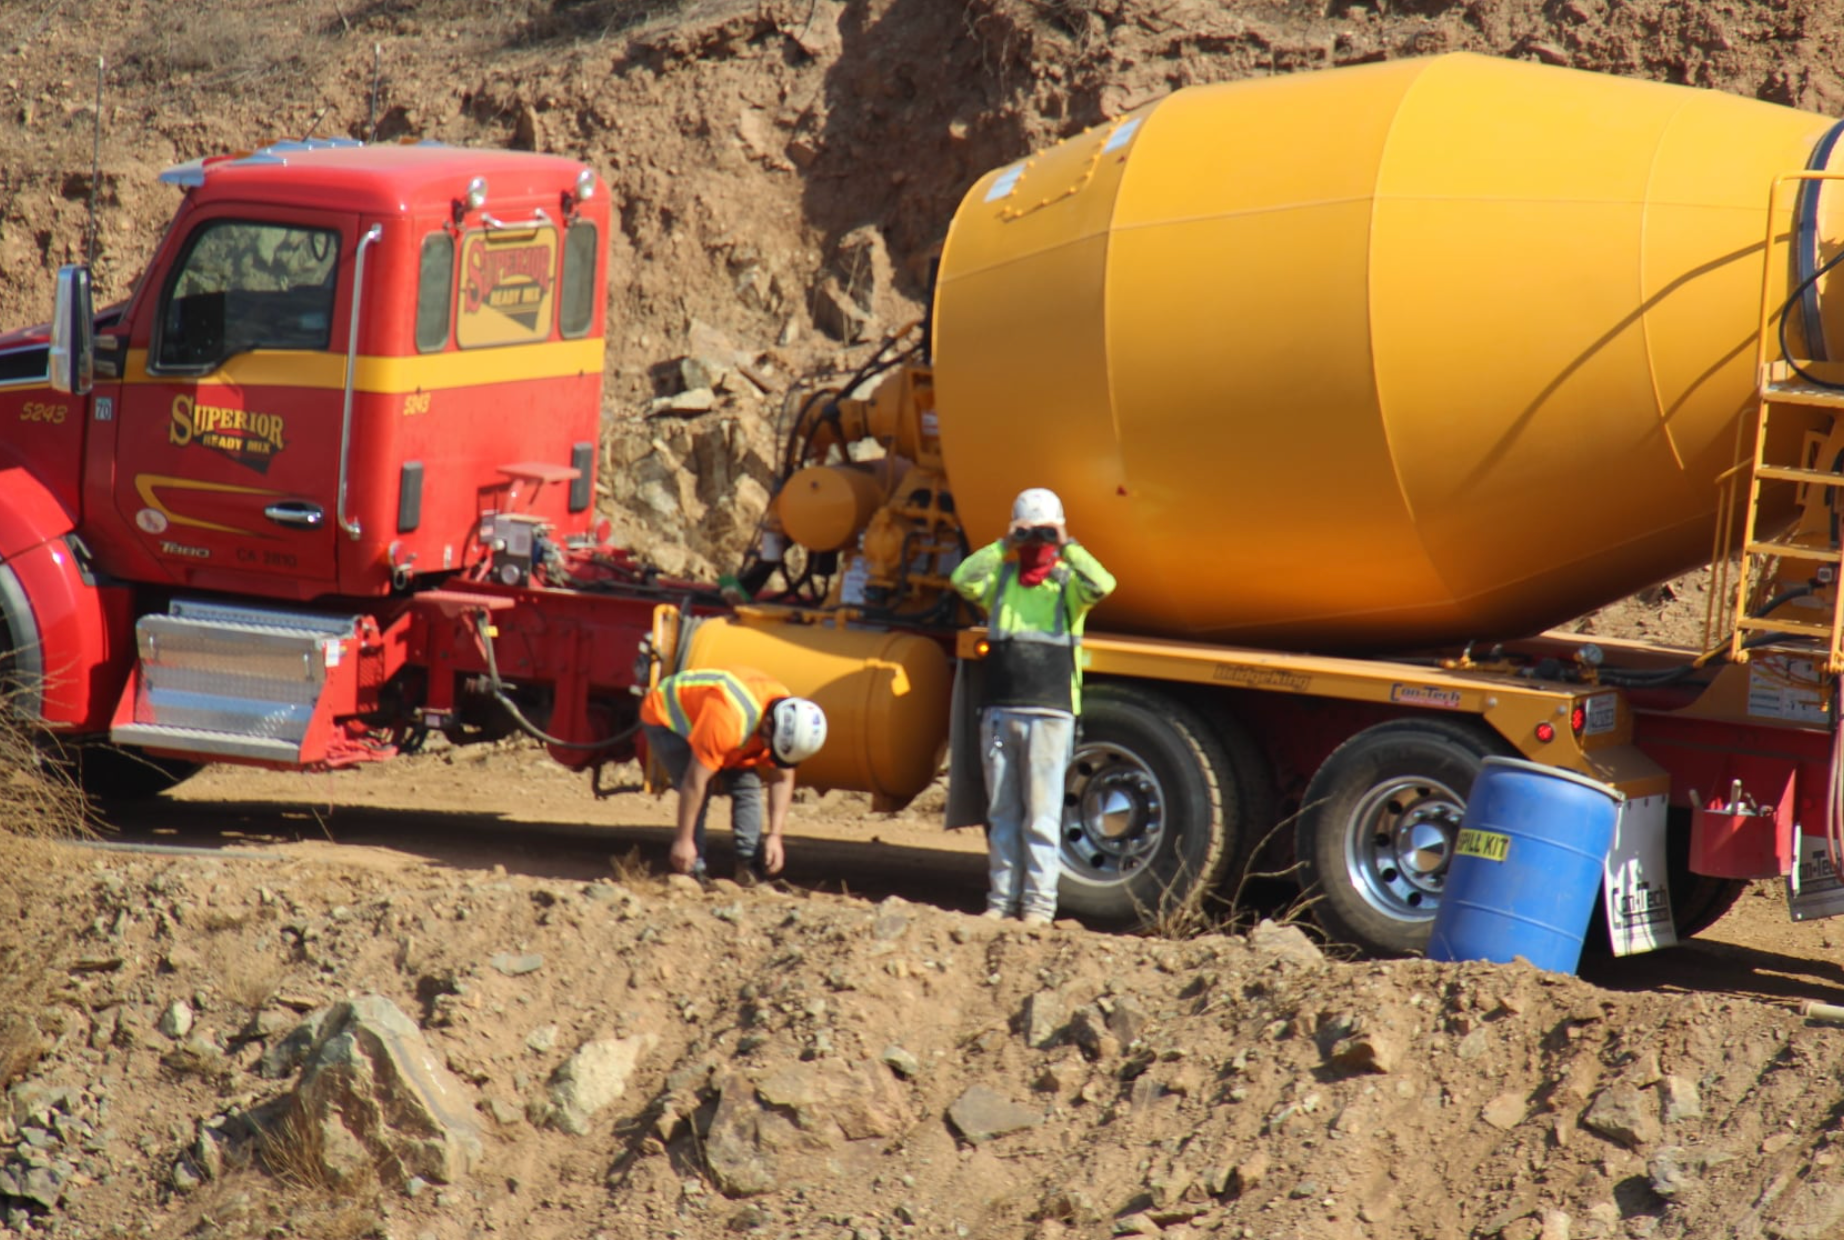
pixel 374 1094
pixel 769 1124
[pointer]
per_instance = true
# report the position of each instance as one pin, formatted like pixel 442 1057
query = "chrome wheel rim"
pixel 1399 843
pixel 1114 814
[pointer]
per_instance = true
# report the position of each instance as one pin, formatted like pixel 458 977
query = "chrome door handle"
pixel 297 513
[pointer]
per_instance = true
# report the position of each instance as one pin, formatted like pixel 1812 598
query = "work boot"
pixel 1036 920
pixel 993 914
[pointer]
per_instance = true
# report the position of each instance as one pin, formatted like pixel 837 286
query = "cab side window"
pixel 244 285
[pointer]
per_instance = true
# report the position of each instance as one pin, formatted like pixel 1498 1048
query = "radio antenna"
pixel 318 117
pixel 89 231
pixel 371 114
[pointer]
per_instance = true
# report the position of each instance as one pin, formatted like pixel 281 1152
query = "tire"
pixel 107 773
pixel 1151 816
pixel 1377 829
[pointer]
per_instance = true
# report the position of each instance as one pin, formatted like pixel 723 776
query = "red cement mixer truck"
pixel 1358 380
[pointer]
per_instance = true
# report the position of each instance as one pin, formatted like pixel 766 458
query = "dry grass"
pixel 249 981
pixel 291 1150
pixel 631 869
pixel 39 803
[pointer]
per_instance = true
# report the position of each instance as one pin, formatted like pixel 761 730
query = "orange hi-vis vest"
pixel 718 712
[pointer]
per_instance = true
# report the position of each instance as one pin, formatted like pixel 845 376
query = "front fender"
pixel 71 641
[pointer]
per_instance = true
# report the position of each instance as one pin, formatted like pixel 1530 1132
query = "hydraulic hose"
pixel 1805 245
pixel 498 689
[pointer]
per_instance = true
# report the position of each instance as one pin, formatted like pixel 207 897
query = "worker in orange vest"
pixel 735 729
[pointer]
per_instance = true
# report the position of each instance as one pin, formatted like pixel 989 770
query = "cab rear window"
pixel 576 301
pixel 435 290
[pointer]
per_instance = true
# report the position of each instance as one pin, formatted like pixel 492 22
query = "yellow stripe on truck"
pixel 559 359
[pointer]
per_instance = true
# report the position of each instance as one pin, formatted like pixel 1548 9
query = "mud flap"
pixel 1812 887
pixel 966 772
pixel 1635 889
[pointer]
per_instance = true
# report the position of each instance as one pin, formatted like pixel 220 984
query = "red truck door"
pixel 227 435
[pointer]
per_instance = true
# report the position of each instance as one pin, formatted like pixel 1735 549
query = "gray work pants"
pixel 744 787
pixel 1026 755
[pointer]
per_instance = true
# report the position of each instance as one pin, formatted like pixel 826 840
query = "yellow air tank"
pixel 881 691
pixel 1375 357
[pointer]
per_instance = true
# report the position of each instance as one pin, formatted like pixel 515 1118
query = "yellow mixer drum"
pixel 1375 357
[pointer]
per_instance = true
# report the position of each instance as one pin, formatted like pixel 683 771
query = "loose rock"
pixel 596 1075
pixel 982 1114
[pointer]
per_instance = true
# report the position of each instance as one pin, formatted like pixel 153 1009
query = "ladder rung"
pixel 1801 394
pixel 1811 477
pixel 1800 627
pixel 1793 551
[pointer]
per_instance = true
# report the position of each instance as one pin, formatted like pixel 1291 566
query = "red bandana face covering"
pixel 1035 560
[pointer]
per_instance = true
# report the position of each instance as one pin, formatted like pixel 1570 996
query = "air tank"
pixel 1373 358
pixel 885 695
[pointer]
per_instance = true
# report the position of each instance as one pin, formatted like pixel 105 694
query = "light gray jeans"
pixel 1026 755
pixel 745 789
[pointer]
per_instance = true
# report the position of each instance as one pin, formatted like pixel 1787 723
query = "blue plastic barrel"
pixel 1526 868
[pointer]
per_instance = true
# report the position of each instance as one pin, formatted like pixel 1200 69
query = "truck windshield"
pixel 244 285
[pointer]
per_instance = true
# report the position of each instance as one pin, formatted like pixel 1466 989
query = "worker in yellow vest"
pixel 1036 586
pixel 734 729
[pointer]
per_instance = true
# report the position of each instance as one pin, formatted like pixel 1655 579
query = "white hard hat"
pixel 797 730
pixel 1037 506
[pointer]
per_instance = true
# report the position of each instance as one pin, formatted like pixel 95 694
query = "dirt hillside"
pixel 442 1011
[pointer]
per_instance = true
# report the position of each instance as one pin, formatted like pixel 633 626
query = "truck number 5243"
pixel 39 411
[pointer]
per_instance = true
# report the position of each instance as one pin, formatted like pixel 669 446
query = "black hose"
pixel 498 688
pixel 1805 243
pixel 1814 332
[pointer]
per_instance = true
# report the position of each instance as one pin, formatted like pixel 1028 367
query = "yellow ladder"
pixel 1783 391
pixel 1786 388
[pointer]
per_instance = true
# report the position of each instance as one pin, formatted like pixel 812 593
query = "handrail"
pixel 538 220
pixel 372 234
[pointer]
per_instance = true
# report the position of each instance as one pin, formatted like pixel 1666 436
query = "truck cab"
pixel 340 365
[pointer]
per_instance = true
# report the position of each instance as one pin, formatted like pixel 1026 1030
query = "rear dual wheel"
pixel 1377 827
pixel 1159 804
pixel 1377 831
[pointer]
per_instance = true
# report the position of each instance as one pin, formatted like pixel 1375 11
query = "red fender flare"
pixel 72 639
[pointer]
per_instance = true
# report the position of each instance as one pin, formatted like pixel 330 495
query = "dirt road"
pixel 478 809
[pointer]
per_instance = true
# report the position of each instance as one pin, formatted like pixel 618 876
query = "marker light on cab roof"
pixel 476 197
pixel 585 185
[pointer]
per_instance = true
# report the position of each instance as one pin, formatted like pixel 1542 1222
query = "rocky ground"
pixel 303 1019
pixel 462 1019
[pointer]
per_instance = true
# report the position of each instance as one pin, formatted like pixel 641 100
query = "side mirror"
pixel 73 333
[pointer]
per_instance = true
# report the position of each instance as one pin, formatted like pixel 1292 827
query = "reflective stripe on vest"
pixel 733 689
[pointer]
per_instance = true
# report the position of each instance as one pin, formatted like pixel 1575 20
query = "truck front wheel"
pixel 1151 815
pixel 1377 829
